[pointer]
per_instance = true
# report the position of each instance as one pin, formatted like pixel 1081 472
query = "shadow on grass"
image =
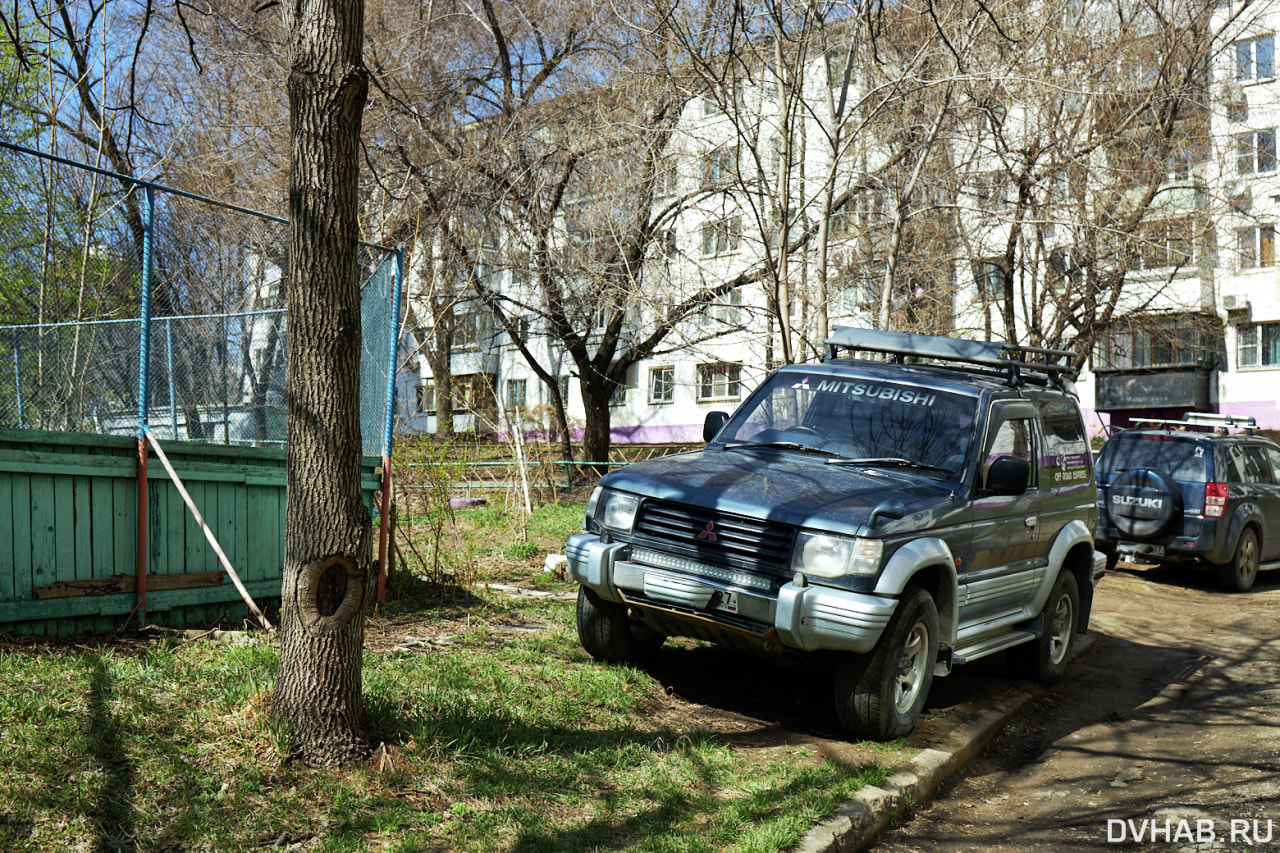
pixel 113 819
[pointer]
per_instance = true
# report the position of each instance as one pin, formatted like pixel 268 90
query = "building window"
pixel 1160 342
pixel 425 399
pixel 989 190
pixel 1256 151
pixel 721 235
pixel 475 391
pixel 1256 247
pixel 662 385
pixel 837 64
pixel 990 277
pixel 1165 244
pixel 1258 345
pixel 666 177
pixel 719 381
pixel 1255 59
pixel 720 166
pixel 619 395
pixel 517 390
pixel 473 330
pixel 562 383
pixel 728 309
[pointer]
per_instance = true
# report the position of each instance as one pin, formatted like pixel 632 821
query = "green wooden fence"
pixel 69 531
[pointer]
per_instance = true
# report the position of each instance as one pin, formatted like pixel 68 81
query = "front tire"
pixel 609 635
pixel 1239 574
pixel 1045 658
pixel 879 695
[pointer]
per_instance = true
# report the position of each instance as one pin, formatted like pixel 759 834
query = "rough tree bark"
pixel 327 532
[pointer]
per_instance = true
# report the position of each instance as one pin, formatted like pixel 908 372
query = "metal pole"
pixel 173 403
pixel 17 378
pixel 144 356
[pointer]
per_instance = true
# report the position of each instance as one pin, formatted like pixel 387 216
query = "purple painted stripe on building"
pixel 1265 412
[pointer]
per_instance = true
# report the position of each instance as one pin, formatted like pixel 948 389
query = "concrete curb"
pixel 856 823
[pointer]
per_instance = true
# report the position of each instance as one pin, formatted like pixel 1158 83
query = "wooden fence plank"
pixel 102 507
pixel 72 520
pixel 9 541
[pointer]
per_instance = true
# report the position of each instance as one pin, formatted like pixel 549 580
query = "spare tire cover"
pixel 1143 501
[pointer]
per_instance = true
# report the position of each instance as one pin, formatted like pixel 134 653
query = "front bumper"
pixel 798 615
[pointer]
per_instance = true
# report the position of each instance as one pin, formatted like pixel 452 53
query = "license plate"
pixel 1141 549
pixel 726 601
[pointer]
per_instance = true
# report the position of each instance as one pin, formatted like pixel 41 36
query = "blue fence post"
pixel 144 332
pixel 142 544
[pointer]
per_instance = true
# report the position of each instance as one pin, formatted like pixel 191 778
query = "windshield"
pixel 875 421
pixel 1183 459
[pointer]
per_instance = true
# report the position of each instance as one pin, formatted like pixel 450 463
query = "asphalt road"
pixel 1164 734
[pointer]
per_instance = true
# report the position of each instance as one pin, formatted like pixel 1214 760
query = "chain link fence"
pixel 96 268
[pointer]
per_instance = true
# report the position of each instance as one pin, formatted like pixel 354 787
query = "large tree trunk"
pixel 327 532
pixel 595 439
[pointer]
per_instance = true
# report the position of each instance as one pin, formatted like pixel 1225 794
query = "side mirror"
pixel 713 424
pixel 1008 476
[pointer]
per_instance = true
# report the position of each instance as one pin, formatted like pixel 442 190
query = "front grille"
pixel 717 537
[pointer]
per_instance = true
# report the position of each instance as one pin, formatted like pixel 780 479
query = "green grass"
pixel 497 740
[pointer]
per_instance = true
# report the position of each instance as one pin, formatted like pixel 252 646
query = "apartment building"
pixel 1194 322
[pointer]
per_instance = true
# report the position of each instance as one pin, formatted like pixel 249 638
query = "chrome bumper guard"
pixel 806 616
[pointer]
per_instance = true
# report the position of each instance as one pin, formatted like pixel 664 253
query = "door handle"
pixel 1030 521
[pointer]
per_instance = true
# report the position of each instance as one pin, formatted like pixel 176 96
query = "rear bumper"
pixel 1165 547
pixel 798 616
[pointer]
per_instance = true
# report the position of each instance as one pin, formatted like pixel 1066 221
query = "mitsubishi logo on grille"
pixel 710 533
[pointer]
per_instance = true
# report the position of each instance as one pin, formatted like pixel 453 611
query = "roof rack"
pixel 1007 360
pixel 1211 420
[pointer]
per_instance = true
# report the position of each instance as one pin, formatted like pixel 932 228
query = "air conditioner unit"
pixel 1231 302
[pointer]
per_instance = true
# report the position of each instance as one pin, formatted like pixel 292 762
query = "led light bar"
pixel 681 564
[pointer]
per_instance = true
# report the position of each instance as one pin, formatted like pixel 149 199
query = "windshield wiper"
pixel 784 445
pixel 888 460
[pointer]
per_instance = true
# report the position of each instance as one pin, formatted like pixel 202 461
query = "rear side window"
pixel 1251 462
pixel 1182 459
pixel 1066 448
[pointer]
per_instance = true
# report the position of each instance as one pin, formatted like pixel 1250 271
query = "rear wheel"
pixel 1045 658
pixel 609 635
pixel 1239 574
pixel 879 695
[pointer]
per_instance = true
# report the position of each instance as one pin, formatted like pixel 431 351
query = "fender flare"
pixel 914 557
pixel 1248 512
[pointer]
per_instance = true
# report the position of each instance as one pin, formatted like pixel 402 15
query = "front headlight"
pixel 823 555
pixel 619 511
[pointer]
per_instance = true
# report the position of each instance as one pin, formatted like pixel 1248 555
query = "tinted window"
pixel 1253 464
pixel 1274 455
pixel 1180 458
pixel 1066 450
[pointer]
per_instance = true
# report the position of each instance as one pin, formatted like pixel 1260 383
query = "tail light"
pixel 1215 499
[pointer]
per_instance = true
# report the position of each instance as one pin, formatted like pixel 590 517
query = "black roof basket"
pixel 1010 361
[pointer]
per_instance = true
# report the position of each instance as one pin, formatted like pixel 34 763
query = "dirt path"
pixel 1164 735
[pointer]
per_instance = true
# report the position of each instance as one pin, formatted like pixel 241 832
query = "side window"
pixel 1255 465
pixel 1273 455
pixel 1013 437
pixel 1232 472
pixel 1066 448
